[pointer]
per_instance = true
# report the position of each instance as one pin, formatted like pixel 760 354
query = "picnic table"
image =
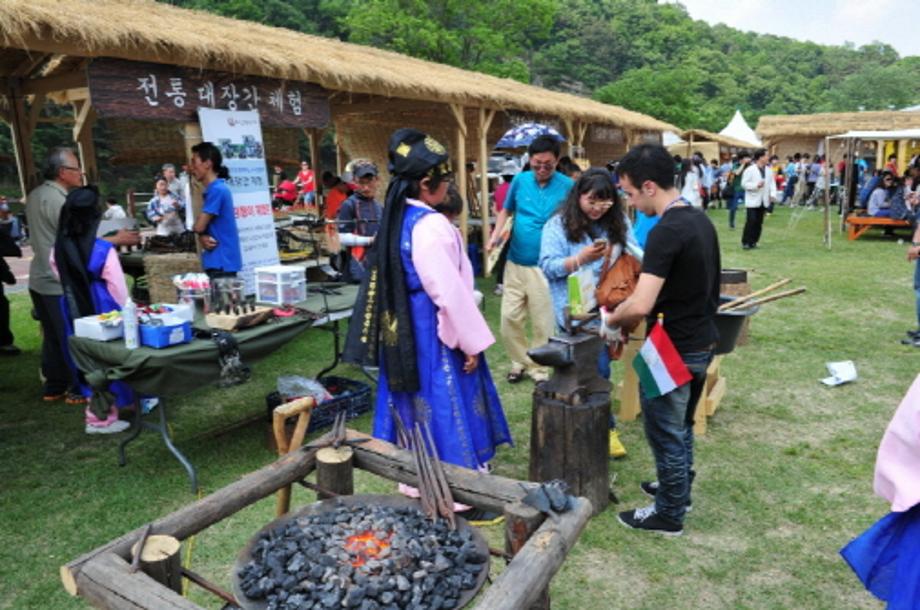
pixel 858 224
pixel 180 369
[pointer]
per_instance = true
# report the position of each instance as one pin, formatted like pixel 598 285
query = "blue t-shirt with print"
pixel 219 203
pixel 532 205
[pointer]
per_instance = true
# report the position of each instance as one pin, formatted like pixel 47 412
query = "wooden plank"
pixel 22 139
pixel 35 110
pixel 485 121
pixel 51 84
pixel 715 395
pixel 460 169
pixel 521 521
pixel 106 582
pixel 528 575
pixel 195 517
pixel 491 492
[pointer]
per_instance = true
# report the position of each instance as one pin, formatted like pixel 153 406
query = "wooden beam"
pixel 485 121
pixel 35 109
pixel 83 137
pixel 460 172
pixel 570 132
pixel 58 82
pixel 107 582
pixel 490 492
pixel 523 581
pixel 191 133
pixel 193 518
pixel 22 139
pixel 32 63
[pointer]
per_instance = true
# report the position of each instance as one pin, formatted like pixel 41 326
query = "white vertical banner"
pixel 238 135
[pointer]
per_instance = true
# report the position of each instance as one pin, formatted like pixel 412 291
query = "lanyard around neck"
pixel 673 203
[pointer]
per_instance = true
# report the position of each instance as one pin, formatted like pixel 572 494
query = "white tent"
pixel 739 129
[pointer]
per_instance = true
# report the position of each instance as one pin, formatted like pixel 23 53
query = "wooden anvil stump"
pixel 570 419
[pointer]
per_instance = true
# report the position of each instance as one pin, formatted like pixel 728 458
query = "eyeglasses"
pixel 75 169
pixel 601 205
pixel 546 165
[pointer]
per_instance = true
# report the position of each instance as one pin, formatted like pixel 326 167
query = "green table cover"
pixel 182 368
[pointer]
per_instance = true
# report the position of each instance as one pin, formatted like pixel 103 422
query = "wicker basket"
pixel 160 269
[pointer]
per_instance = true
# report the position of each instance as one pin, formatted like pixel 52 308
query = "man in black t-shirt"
pixel 680 280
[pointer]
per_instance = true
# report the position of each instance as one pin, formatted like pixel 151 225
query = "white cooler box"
pixel 92 327
pixel 280 284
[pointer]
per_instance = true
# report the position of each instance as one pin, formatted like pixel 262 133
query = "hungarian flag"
pixel 659 366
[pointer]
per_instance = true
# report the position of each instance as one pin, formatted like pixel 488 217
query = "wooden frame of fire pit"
pixel 103 577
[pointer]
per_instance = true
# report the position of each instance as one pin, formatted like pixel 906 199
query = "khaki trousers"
pixel 526 295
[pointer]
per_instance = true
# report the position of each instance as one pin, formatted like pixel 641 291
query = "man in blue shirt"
pixel 534 196
pixel 216 224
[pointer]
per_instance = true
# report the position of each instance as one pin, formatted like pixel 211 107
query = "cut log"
pixel 105 582
pixel 197 516
pixel 335 471
pixel 160 560
pixel 490 492
pixel 521 521
pixel 529 574
pixel 569 442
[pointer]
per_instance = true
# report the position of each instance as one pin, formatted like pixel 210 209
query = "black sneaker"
pixel 914 334
pixel 650 488
pixel 647 519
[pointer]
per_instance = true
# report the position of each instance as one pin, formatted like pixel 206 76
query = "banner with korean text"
pixel 238 135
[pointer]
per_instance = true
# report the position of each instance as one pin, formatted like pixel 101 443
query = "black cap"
pixel 414 154
pixel 364 169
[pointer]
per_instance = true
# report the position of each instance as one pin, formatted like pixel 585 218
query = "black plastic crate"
pixel 353 397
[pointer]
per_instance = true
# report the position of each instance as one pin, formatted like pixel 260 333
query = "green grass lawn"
pixel 784 472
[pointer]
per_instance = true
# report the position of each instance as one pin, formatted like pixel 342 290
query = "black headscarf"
pixel 382 327
pixel 73 247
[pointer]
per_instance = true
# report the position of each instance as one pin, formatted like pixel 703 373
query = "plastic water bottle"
pixel 129 317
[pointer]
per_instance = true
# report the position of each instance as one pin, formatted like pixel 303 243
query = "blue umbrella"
pixel 525 133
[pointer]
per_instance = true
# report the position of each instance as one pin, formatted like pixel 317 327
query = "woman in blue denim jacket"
pixel 577 237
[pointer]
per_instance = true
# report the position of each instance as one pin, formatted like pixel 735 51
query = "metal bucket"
pixel 730 324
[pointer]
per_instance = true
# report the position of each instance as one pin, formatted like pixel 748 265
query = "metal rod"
pixel 317 488
pixel 136 560
pixel 208 586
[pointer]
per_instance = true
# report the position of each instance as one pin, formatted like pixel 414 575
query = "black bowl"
pixel 729 324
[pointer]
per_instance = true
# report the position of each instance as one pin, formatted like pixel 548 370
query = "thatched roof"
pixel 832 123
pixel 144 30
pixel 708 136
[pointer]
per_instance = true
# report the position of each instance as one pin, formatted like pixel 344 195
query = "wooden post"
pixel 302 409
pixel 85 117
pixel 335 471
pixel 570 442
pixel 460 178
pixel 339 155
pixel 22 139
pixel 827 193
pixel 191 132
pixel 485 121
pixel 570 132
pixel 521 521
pixel 161 560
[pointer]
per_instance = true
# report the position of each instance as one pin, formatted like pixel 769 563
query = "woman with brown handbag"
pixel 590 228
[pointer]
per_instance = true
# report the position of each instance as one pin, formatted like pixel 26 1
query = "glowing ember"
pixel 365 546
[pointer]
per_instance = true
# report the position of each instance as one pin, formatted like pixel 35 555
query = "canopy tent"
pixel 739 129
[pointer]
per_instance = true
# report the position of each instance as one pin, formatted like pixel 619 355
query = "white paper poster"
pixel 238 135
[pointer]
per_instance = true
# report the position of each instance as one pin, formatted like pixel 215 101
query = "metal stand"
pixel 139 424
pixel 337 353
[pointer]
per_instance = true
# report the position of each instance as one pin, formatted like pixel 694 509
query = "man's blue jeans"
pixel 669 430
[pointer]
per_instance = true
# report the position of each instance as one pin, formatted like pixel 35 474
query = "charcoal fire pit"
pixel 364 551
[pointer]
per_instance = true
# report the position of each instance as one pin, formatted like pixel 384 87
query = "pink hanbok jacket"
pixel 897 466
pixel 447 276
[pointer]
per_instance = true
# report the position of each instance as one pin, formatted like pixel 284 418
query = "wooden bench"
pixel 857 225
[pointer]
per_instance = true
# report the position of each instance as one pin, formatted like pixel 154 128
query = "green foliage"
pixel 455 32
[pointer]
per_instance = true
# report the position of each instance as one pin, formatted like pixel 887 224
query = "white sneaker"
pixel 499 290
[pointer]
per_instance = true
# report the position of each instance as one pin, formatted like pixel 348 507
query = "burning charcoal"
pixel 402 583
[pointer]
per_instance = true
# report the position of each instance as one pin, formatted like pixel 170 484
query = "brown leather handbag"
pixel 617 281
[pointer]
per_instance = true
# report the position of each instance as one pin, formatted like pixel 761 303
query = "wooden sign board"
pixel 148 91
